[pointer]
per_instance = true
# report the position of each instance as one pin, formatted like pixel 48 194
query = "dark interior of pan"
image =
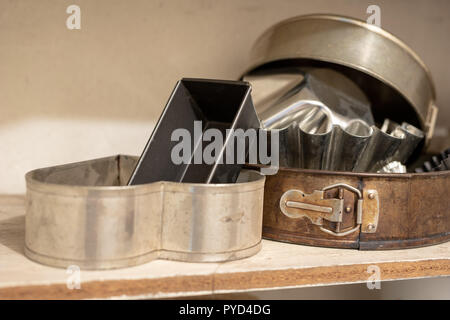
pixel 386 101
pixel 178 150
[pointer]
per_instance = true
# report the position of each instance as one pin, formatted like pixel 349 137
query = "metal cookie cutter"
pixel 84 214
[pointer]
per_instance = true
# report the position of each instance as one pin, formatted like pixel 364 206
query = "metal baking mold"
pixel 412 137
pixel 218 104
pixel 393 167
pixel 276 94
pixel 315 136
pixel 440 162
pixel 84 214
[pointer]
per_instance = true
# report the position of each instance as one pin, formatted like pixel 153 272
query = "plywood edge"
pixel 329 275
pixel 156 287
pixel 231 281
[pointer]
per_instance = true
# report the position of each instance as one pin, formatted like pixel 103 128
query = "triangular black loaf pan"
pixel 217 104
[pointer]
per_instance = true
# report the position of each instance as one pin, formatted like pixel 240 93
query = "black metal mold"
pixel 218 104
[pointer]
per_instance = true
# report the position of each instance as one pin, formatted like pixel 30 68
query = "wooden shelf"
pixel 278 265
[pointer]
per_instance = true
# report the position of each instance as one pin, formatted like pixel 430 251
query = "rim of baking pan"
pixel 33 184
pixel 407 175
pixel 353 21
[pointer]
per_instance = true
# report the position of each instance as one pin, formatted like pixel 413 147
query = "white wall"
pixel 68 95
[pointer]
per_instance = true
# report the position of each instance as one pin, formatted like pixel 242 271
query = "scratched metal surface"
pixel 84 214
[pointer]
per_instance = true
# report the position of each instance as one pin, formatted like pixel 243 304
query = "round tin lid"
pixel 395 79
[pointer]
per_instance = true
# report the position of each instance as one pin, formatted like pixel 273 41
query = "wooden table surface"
pixel 277 265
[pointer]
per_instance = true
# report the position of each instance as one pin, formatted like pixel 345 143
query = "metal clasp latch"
pixel 317 208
